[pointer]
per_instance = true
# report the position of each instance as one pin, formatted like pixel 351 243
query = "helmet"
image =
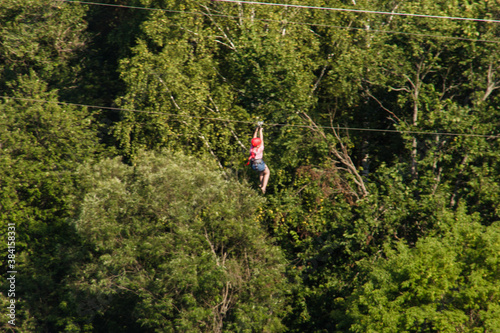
pixel 256 142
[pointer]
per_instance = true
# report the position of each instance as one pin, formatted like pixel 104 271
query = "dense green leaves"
pixel 444 284
pixel 381 135
pixel 42 145
pixel 182 245
pixel 28 44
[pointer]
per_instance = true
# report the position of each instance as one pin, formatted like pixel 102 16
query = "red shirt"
pixel 258 151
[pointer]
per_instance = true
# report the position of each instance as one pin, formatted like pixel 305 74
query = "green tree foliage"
pixel 194 76
pixel 42 145
pixel 112 32
pixel 362 70
pixel 177 247
pixel 43 36
pixel 444 284
pixel 421 78
pixel 198 64
pixel 172 74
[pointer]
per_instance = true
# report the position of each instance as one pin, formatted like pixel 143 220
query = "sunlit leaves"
pixel 183 242
pixel 444 284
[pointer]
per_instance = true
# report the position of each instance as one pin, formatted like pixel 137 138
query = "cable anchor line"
pixel 290 22
pixel 361 11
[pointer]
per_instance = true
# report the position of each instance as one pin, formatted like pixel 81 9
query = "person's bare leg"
pixel 266 173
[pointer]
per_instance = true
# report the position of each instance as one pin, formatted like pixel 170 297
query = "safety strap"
pixel 252 156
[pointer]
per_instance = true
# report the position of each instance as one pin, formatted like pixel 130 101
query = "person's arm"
pixel 261 135
pixel 256 132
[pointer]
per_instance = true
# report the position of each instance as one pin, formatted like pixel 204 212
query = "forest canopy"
pixel 126 204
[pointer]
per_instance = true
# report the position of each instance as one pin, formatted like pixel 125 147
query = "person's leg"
pixel 265 178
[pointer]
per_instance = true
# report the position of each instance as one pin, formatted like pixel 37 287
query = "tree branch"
pixel 383 107
pixel 491 85
pixel 342 156
pixel 225 36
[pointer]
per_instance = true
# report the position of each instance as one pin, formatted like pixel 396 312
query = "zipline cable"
pixel 119 6
pixel 303 7
pixel 490 136
pixel 288 22
pixel 361 11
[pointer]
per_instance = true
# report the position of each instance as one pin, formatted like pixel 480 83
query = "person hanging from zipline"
pixel 256 157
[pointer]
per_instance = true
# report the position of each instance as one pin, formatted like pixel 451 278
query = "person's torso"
pixel 258 151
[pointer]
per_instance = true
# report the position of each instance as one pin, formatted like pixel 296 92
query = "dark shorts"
pixel 259 166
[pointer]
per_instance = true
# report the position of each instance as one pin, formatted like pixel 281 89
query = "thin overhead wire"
pixel 361 11
pixel 303 7
pixel 119 6
pixel 290 22
pixel 225 120
pixel 371 30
